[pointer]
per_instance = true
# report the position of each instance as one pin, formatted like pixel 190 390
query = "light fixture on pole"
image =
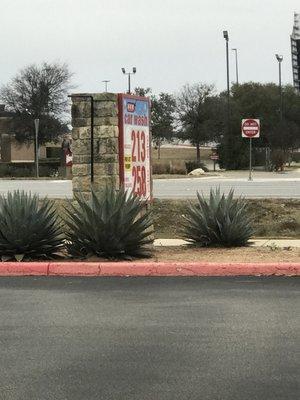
pixel 279 59
pixel 36 125
pixel 106 82
pixel 236 65
pixel 129 77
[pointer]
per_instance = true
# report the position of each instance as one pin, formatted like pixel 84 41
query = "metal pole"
pixel 228 101
pixel 106 84
pixel 227 63
pixel 129 83
pixel 236 66
pixel 250 161
pixel 92 139
pixel 280 90
pixel 279 59
pixel 36 124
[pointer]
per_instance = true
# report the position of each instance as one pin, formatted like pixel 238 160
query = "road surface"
pixel 274 187
pixel 149 338
pixel 258 188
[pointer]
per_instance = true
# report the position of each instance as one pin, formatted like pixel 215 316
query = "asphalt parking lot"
pixel 149 338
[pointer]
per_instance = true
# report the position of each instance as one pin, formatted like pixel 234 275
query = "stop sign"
pixel 250 128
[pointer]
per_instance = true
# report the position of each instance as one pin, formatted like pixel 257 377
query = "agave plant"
pixel 220 220
pixel 28 227
pixel 111 224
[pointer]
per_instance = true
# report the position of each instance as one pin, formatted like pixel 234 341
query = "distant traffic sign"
pixel 214 157
pixel 250 128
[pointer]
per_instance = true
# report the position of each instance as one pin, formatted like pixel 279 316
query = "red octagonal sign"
pixel 250 128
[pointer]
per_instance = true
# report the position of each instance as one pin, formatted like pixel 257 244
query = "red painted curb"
pixel 73 269
pixel 23 268
pixel 147 269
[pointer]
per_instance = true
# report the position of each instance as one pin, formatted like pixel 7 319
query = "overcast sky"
pixel 170 42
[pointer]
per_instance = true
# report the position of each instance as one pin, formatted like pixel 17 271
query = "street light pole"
pixel 129 84
pixel 279 59
pixel 106 82
pixel 226 37
pixel 36 125
pixel 236 65
pixel 129 77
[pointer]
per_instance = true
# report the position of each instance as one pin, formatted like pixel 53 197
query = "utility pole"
pixel 106 82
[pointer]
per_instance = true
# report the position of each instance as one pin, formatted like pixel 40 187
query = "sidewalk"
pixel 281 243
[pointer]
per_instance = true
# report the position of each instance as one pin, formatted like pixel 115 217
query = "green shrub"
pixel 296 157
pixel 177 167
pixel 24 172
pixel 161 168
pixel 111 224
pixel 47 167
pixel 28 227
pixel 4 170
pixel 169 167
pixel 219 220
pixel 278 159
pixel 48 170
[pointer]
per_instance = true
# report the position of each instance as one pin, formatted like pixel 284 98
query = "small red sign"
pixel 250 128
pixel 130 107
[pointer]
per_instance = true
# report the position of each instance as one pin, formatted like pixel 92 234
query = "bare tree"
pixel 39 92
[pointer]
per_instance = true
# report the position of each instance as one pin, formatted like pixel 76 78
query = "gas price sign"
pixel 134 144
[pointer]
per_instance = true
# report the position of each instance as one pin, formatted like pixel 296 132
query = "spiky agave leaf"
pixel 111 224
pixel 28 227
pixel 219 220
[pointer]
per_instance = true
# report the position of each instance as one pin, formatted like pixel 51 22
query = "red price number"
pixel 139 180
pixel 138 140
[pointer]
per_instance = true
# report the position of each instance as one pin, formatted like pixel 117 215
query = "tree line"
pixel 197 113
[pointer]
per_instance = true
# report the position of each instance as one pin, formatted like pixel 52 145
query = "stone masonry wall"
pixel 106 142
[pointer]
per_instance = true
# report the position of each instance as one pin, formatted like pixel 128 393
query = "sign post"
pixel 250 130
pixel 36 125
pixel 214 157
pixel 135 145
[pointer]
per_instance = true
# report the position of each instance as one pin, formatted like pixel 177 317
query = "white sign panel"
pixel 135 145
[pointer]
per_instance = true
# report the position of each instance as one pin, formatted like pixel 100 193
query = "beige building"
pixel 11 151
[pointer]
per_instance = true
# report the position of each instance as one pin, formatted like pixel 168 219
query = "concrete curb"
pixel 137 268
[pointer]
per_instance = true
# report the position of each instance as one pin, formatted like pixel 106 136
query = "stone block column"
pixel 106 141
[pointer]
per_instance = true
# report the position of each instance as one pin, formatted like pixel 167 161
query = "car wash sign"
pixel 135 145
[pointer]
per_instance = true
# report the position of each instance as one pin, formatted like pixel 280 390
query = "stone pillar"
pixel 106 141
